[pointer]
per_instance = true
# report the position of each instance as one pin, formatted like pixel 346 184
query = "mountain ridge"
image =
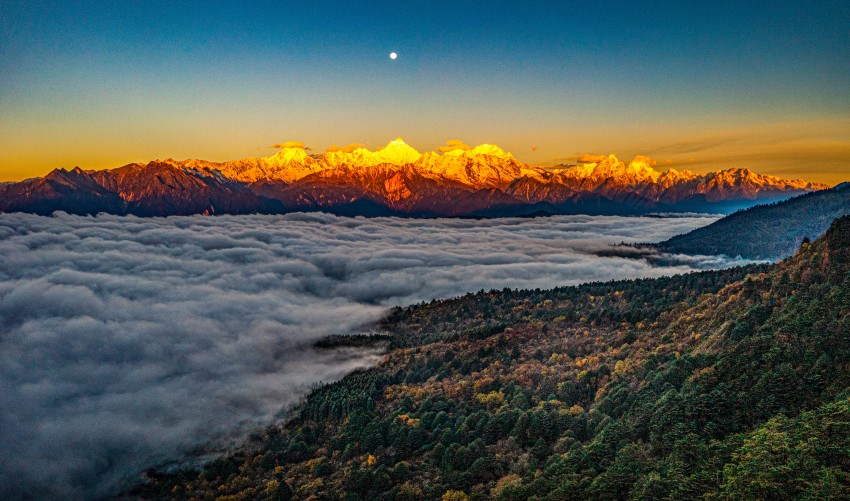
pixel 773 231
pixel 456 182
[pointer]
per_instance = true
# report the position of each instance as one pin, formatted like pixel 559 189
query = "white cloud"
pixel 125 342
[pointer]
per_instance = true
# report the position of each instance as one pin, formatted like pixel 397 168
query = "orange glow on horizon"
pixel 814 151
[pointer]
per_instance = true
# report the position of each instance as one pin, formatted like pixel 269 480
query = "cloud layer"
pixel 289 144
pixel 126 342
pixel 454 144
pixel 345 149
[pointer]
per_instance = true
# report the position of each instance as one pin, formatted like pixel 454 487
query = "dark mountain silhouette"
pixel 771 231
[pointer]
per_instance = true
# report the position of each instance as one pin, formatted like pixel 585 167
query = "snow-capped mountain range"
pixel 394 180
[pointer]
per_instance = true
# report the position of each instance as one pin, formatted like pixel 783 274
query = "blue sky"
pixel 702 86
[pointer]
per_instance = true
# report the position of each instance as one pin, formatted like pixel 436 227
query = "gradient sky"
pixel 701 85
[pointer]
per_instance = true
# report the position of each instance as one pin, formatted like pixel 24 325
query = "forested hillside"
pixel 772 231
pixel 727 384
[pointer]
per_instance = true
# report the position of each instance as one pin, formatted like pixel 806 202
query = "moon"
pixel 393 55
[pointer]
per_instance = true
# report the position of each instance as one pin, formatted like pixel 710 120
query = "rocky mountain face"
pixel 394 180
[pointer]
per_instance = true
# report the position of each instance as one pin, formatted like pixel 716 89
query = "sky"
pixel 697 85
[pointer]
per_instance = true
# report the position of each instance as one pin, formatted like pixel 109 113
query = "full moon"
pixel 393 55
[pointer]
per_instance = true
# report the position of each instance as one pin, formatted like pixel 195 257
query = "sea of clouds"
pixel 128 342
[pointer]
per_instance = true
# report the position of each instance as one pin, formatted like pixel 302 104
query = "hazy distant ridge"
pixel 766 231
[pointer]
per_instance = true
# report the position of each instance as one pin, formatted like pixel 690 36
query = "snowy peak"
pixel 396 152
pixel 489 150
pixel 489 166
pixel 612 170
pixel 287 156
pixel 456 178
pixel 750 183
pixel 485 166
pixel 673 176
pixel 641 169
pixel 738 176
pixel 288 165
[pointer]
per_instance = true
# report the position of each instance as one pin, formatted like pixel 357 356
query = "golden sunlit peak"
pixel 396 142
pixel 490 150
pixel 457 148
pixel 396 152
pixel 289 155
pixel 592 166
pixel 398 145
